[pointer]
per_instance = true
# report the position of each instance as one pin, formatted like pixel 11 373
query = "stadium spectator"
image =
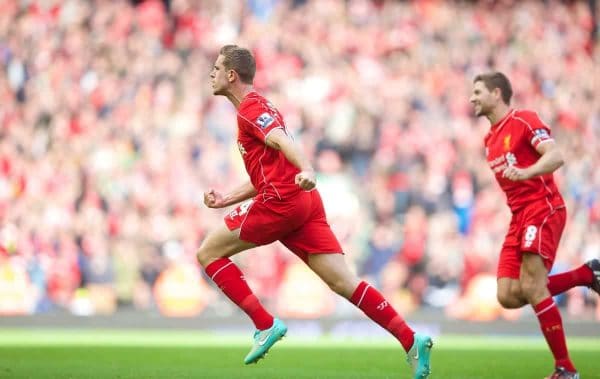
pixel 109 133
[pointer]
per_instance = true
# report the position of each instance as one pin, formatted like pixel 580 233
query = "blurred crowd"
pixel 109 135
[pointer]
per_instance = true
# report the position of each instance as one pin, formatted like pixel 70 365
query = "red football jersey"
pixel 512 141
pixel 270 172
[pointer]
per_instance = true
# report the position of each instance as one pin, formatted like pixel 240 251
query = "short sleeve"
pixel 260 120
pixel 537 132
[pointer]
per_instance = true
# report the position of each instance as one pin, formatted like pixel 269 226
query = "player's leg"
pixel 541 232
pixel 509 293
pixel 533 287
pixel 258 228
pixel 213 255
pixel 509 269
pixel 334 271
pixel 588 275
pixel 581 276
pixel 594 266
pixel 315 244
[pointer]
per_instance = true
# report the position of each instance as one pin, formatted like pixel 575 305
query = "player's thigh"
pixel 541 231
pixel 319 248
pixel 534 276
pixel 334 271
pixel 263 223
pixel 313 237
pixel 509 262
pixel 221 243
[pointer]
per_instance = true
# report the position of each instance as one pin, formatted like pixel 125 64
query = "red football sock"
pixel 374 305
pixel 231 281
pixel 552 328
pixel 562 282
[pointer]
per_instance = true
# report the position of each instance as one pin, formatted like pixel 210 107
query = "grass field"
pixel 80 354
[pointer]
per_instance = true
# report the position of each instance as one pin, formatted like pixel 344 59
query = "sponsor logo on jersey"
pixel 264 120
pixel 511 160
pixel 540 135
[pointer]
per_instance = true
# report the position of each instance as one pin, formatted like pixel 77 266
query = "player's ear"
pixel 497 93
pixel 231 74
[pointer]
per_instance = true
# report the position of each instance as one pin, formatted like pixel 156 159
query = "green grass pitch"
pixel 81 354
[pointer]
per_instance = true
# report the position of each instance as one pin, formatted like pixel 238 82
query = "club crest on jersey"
pixel 264 120
pixel 507 143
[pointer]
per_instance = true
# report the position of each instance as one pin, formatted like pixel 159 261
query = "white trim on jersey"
pixel 511 114
pixel 546 140
pixel 278 127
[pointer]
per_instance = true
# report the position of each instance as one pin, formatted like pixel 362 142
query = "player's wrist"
pixel 529 173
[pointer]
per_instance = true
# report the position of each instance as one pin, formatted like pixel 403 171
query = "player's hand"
pixel 213 199
pixel 306 180
pixel 515 174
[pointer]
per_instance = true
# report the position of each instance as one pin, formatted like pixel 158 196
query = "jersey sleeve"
pixel 259 120
pixel 537 132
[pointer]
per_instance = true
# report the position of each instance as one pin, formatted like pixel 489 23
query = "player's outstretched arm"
pixel 214 199
pixel 550 160
pixel 278 139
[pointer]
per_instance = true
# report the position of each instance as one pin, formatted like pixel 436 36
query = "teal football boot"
pixel 419 355
pixel 264 340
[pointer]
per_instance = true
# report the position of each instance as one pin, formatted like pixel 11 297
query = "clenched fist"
pixel 515 174
pixel 213 199
pixel 306 180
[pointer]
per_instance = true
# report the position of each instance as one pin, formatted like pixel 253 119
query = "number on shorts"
pixel 530 235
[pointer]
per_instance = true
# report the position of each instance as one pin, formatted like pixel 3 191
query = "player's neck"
pixel 236 95
pixel 498 113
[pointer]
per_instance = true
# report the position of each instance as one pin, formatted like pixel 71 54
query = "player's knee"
pixel 508 299
pixel 204 256
pixel 340 286
pixel 504 299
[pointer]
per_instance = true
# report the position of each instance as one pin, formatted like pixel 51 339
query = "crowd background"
pixel 109 134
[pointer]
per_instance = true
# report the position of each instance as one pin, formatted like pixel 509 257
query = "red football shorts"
pixel 299 223
pixel 536 229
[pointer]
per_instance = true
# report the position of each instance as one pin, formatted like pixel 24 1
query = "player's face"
pixel 219 77
pixel 482 99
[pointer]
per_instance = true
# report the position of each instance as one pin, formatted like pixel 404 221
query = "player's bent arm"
pixel 278 139
pixel 550 160
pixel 244 192
pixel 214 199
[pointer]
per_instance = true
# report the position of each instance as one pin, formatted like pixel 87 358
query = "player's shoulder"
pixel 526 116
pixel 251 101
